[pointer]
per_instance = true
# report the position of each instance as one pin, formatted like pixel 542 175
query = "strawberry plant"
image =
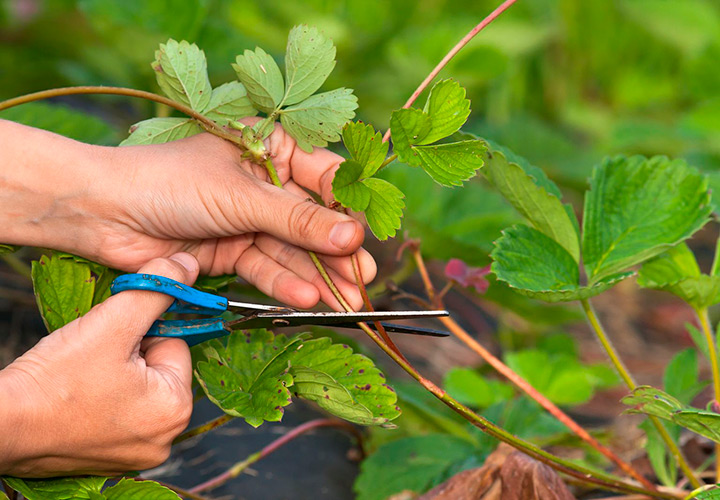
pixel 638 212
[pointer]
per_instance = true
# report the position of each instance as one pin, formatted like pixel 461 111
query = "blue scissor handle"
pixel 192 331
pixel 187 299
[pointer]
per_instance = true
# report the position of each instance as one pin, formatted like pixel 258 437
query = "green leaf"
pixel 242 379
pixel 365 146
pixel 448 110
pixel 319 119
pixel 371 401
pixel 385 209
pixel 409 127
pixel 471 388
pixel 536 266
pixel 662 461
pixel 707 492
pixel 701 422
pixel 542 209
pixel 309 59
pixel 8 248
pixel 538 175
pixel 637 208
pixel 3 496
pixel 651 401
pixel 699 339
pixel 68 488
pixel 161 130
pixel 213 284
pixel 348 189
pixel 261 76
pixel 453 163
pixel 63 120
pixel 64 290
pixel 181 72
pixel 229 102
pixel 413 464
pixel 676 271
pixel 681 376
pixel 560 378
pixel 129 489
pixel 330 395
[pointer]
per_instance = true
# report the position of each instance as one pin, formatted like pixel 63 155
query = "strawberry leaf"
pixel 357 391
pixel 365 146
pixel 385 209
pixel 677 272
pixel 242 379
pixel 181 72
pixel 537 266
pixel 309 59
pixel 541 208
pixel 229 102
pixel 261 76
pixel 319 119
pixel 161 130
pixel 448 110
pixel 348 189
pixel 637 208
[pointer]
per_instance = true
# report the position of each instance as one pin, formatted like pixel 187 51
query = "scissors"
pixel 194 331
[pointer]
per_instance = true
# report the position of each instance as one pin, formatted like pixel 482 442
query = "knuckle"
pixel 303 219
pixel 155 456
pixel 167 268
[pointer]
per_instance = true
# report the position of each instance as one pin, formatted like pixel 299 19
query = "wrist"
pixel 14 424
pixel 51 189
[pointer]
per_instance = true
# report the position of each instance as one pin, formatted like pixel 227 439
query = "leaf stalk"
pixel 631 384
pixel 520 382
pixel 712 352
pixel 239 467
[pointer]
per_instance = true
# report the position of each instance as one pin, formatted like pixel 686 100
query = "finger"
pixel 128 316
pixel 301 222
pixel 273 279
pixel 171 358
pixel 314 171
pixel 299 262
pixel 292 257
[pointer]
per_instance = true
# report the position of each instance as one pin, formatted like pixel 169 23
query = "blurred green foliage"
pixel 559 82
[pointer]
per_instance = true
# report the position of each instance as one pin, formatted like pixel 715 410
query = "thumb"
pixel 128 315
pixel 304 223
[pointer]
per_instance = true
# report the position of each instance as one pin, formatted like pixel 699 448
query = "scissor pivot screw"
pixel 280 322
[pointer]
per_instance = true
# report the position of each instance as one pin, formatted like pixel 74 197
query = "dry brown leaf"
pixel 506 475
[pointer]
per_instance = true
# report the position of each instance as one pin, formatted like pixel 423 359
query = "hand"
pixel 198 195
pixel 95 398
pixel 124 206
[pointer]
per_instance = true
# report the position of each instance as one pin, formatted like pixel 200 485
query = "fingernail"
pixel 186 260
pixel 342 234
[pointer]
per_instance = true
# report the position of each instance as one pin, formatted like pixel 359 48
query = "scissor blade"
pixel 248 308
pixel 304 318
pixel 395 328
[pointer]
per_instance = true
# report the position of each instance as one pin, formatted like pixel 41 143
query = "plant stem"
pixel 204 122
pixel 17 265
pixel 388 161
pixel 182 492
pixel 520 382
pixel 239 467
pixel 464 41
pixel 630 383
pixel 202 429
pixel 712 351
pixel 557 463
pixel 483 424
pixel 368 305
